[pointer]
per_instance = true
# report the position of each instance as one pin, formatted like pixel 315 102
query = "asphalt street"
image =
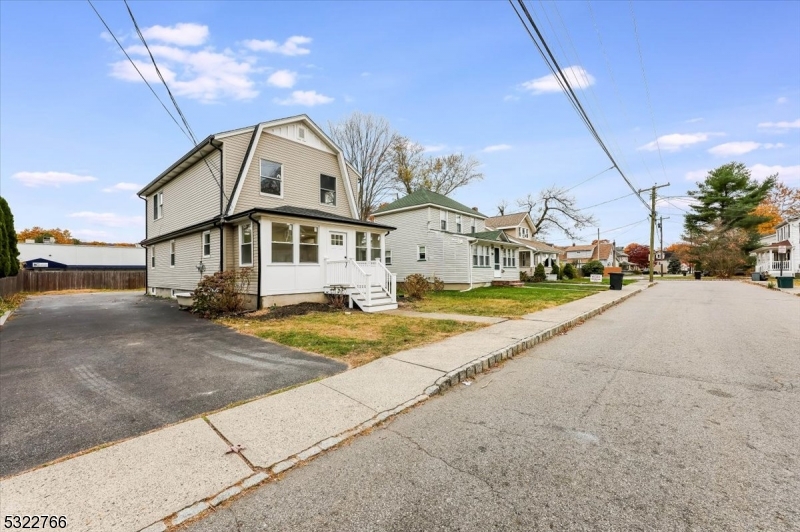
pixel 80 370
pixel 677 410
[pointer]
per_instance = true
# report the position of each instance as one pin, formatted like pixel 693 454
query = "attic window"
pixel 301 133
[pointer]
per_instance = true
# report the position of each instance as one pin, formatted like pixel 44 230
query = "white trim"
pixel 474 214
pixel 347 188
pixel 233 132
pixel 203 244
pixel 172 253
pixel 334 190
pixel 153 257
pixel 282 180
pixel 241 242
pixel 419 246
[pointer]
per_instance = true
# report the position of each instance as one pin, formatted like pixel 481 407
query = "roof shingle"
pixel 422 197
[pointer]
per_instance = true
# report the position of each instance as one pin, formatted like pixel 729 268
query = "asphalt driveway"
pixel 80 370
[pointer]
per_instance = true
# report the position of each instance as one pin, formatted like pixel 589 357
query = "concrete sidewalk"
pixel 168 476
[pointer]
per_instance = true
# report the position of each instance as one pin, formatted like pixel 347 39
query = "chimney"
pixel 475 209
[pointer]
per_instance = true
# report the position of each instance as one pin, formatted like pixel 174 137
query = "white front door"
pixel 337 248
pixel 497 272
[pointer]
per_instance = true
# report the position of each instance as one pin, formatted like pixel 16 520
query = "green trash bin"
pixel 785 282
pixel 615 281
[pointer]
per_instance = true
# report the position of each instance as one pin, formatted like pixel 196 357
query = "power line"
pixel 581 237
pixel 137 69
pixel 647 88
pixel 589 179
pixel 564 84
pixel 609 201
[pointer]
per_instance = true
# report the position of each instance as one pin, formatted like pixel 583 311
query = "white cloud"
pixel 694 120
pixel 785 173
pixel 677 141
pixel 292 46
pixel 576 75
pixel 181 34
pixel 696 175
pixel 51 179
pixel 283 78
pixel 780 125
pixel 365 74
pixel 119 187
pixel 306 98
pixel 109 219
pixel 740 148
pixel 782 99
pixel 497 147
pixel 510 98
pixel 433 148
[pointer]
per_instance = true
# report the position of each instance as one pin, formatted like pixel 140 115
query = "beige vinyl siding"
pixel 234 149
pixel 184 276
pixel 302 166
pixel 190 198
pixel 233 255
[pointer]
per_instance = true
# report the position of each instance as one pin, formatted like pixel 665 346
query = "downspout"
pixel 258 261
pixel 469 265
pixel 221 208
pixel 146 258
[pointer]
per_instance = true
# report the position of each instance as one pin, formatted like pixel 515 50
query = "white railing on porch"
pixel 336 273
pixel 362 276
pixel 774 266
pixel 361 281
pixel 381 276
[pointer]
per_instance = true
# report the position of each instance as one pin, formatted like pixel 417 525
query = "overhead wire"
pixel 567 89
pixel 605 202
pixel 589 179
pixel 137 70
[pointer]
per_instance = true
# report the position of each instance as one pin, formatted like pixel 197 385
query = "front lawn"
pixel 355 337
pixel 587 281
pixel 498 301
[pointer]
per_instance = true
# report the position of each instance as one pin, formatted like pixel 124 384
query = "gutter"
pixel 146 258
pixel 258 261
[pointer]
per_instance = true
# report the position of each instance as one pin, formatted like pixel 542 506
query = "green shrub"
pixel 221 293
pixel 416 286
pixel 556 271
pixel 538 273
pixel 437 285
pixel 524 277
pixel 568 272
pixel 592 267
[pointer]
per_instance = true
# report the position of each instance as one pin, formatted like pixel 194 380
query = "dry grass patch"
pixel 355 338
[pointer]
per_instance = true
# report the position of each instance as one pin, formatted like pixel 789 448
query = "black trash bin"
pixel 615 280
pixel 698 275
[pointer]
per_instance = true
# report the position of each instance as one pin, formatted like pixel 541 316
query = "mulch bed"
pixel 286 311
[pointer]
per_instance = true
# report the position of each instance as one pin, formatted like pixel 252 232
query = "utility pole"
pixel 661 240
pixel 652 223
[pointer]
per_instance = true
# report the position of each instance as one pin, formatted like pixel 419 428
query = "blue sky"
pixel 77 130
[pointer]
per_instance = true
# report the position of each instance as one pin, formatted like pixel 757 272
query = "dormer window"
pixel 523 232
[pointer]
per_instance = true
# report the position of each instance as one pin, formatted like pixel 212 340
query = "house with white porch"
pixel 778 254
pixel 519 228
pixel 276 200
pixel 437 236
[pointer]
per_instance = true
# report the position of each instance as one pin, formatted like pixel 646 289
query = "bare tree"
pixel 502 205
pixel 367 142
pixel 444 174
pixel 552 209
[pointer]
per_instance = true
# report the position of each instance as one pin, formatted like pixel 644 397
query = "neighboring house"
pixel 604 251
pixel 577 255
pixel 80 257
pixel 438 236
pixel 768 257
pixel 661 262
pixel 276 198
pixel 519 228
pixel 622 258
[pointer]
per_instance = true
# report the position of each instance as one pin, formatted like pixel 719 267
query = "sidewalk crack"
pixel 351 398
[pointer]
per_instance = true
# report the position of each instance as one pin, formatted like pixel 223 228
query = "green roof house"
pixel 440 237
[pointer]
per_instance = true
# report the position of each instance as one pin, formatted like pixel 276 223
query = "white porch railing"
pixel 362 276
pixel 361 281
pixel 774 266
pixel 381 275
pixel 336 273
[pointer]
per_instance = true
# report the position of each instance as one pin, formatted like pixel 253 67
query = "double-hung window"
pixel 327 190
pixel 171 253
pixel 458 223
pixel 246 245
pixel 271 178
pixel 361 246
pixel 505 258
pixel 475 256
pixel 153 256
pixel 387 257
pixel 309 244
pixel 421 253
pixel 282 243
pixel 158 205
pixel 443 220
pixel 375 246
pixel 486 255
pixel 206 244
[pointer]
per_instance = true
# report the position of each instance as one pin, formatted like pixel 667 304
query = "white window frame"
pixel 171 253
pixel 203 244
pixel 422 253
pixel 153 256
pixel 301 134
pixel 458 223
pixel 282 180
pixel 387 257
pixel 158 201
pixel 242 244
pixel 335 185
pixel 295 238
pixel 300 243
pixel 443 219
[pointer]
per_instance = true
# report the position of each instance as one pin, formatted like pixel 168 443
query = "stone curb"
pixel 4 317
pixel 774 289
pixel 448 380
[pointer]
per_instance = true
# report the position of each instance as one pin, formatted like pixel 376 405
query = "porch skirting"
pixel 292 299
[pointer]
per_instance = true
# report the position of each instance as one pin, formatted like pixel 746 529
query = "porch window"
pixel 271 178
pixel 387 257
pixel 282 243
pixel 327 190
pixel 486 255
pixel 421 253
pixel 375 246
pixel 309 244
pixel 361 246
pixel 246 245
pixel 458 223
pixel 158 205
pixel 171 253
pixel 206 243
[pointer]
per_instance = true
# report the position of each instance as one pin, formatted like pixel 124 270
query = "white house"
pixel 519 228
pixel 276 198
pixel 780 254
pixel 439 237
pixel 80 257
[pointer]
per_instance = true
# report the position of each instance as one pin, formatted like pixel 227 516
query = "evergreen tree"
pixel 538 273
pixel 568 272
pixel 9 263
pixel 556 271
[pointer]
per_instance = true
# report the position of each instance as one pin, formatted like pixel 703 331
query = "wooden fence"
pixel 37 281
